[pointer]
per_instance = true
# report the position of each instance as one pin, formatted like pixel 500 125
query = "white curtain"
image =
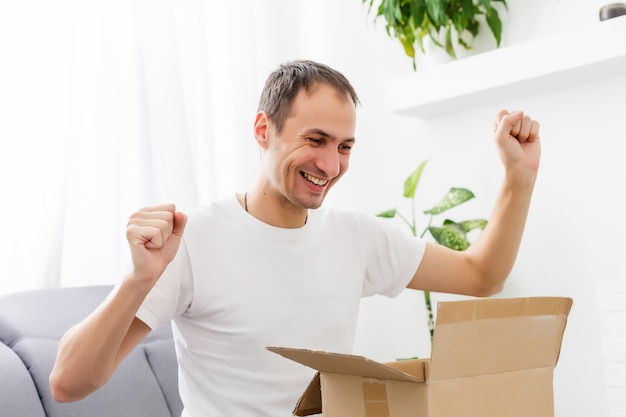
pixel 109 106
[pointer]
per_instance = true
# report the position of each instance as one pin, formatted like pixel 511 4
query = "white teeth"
pixel 314 180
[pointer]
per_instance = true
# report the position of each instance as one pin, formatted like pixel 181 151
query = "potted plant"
pixel 445 22
pixel 452 234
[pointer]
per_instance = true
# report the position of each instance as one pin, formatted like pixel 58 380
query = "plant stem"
pixel 430 221
pixel 411 226
pixel 429 309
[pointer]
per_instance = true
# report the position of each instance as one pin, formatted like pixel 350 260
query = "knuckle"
pixel 130 230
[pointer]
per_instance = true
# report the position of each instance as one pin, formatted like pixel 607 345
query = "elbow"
pixel 486 287
pixel 63 392
pixel 60 393
pixel 488 290
pixel 487 282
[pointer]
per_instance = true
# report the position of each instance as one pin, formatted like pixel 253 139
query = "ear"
pixel 261 129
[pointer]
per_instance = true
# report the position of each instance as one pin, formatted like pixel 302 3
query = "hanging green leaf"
pixel 467 8
pixel 418 12
pixel 410 21
pixel 407 43
pixel 495 24
pixel 449 46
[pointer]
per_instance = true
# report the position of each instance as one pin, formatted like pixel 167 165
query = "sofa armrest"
pixel 18 395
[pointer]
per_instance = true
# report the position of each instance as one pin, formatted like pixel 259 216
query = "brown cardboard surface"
pixel 490 357
pixel 472 336
pixel 416 367
pixel 311 400
pixel 352 396
pixel 518 394
pixel 342 364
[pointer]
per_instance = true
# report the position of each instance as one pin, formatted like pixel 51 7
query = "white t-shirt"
pixel 238 285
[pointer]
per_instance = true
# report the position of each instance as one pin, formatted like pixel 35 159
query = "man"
pixel 270 267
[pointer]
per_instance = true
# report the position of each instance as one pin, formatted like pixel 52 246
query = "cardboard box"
pixel 490 358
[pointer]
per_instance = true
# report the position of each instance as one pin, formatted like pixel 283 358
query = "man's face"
pixel 313 149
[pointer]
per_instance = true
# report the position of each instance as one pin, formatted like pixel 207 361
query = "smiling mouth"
pixel 314 180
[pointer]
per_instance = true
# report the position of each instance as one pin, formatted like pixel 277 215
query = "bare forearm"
pixel 495 251
pixel 90 351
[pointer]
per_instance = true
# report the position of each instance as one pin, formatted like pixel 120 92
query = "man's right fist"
pixel 152 226
pixel 154 235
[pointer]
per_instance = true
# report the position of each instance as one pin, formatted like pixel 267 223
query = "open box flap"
pixel 343 364
pixel 311 400
pixel 488 336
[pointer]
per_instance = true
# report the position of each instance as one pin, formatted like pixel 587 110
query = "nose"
pixel 329 161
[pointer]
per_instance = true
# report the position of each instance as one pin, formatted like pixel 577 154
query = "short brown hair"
pixel 284 83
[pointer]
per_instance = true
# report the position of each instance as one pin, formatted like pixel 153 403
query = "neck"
pixel 261 207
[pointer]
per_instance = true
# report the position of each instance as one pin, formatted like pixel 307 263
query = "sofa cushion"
pixel 162 360
pixel 18 396
pixel 132 390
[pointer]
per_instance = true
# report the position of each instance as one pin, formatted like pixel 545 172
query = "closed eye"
pixel 346 145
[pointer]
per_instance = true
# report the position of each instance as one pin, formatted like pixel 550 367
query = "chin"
pixel 310 200
pixel 315 206
pixel 312 205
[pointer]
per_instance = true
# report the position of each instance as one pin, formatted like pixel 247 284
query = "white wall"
pixel 573 241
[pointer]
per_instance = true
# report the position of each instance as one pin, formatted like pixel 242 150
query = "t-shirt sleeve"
pixel 172 294
pixel 393 256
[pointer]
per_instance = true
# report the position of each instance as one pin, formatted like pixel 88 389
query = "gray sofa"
pixel 31 324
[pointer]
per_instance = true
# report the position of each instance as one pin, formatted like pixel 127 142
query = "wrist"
pixel 520 179
pixel 139 282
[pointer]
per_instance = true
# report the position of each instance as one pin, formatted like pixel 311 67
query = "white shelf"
pixel 528 68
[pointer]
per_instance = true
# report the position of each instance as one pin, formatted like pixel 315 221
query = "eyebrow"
pixel 317 131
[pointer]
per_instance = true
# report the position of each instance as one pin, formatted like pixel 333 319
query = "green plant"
pixel 450 233
pixel 410 21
